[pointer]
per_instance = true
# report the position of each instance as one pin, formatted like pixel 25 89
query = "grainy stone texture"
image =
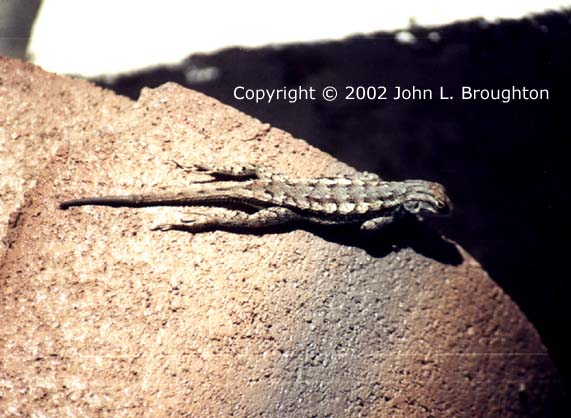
pixel 41 113
pixel 99 316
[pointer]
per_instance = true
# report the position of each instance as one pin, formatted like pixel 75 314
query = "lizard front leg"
pixel 248 171
pixel 377 224
pixel 264 218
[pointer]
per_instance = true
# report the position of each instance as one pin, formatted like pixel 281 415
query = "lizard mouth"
pixel 444 209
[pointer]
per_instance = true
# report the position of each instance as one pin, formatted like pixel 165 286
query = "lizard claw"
pixel 191 167
pixel 163 227
pixel 187 168
pixel 187 221
pixel 170 227
pixel 196 168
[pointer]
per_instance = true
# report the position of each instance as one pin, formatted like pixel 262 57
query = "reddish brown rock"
pixel 100 316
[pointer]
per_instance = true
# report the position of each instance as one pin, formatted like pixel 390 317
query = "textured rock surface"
pixel 100 316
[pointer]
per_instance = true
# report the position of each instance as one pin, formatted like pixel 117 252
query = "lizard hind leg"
pixel 264 218
pixel 366 176
pixel 247 171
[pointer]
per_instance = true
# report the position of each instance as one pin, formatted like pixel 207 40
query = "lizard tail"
pixel 197 197
pixel 116 201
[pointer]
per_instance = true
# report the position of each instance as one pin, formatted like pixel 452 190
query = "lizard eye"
pixel 412 206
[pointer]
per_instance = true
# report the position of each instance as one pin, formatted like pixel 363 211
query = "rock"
pixel 101 316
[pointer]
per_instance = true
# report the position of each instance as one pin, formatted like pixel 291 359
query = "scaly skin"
pixel 362 199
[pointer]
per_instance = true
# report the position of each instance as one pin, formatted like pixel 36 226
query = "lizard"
pixel 363 199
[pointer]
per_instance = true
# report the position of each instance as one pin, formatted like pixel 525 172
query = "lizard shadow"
pixel 407 232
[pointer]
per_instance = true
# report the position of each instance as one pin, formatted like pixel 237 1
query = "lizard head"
pixel 425 198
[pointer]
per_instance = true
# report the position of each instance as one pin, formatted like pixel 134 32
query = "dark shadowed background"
pixel 505 164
